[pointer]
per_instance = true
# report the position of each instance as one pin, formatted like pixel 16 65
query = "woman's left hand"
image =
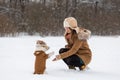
pixel 58 57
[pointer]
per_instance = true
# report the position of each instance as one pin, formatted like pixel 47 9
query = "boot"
pixel 71 67
pixel 82 67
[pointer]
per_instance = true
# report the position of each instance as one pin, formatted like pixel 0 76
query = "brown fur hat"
pixel 70 22
pixel 83 33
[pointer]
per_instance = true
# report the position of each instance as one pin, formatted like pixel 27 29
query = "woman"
pixel 76 53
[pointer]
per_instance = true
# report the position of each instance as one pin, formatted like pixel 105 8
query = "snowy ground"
pixel 17 59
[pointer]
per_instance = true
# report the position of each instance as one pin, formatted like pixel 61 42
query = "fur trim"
pixel 77 29
pixel 66 24
pixel 83 34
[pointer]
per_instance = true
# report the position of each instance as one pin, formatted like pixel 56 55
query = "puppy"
pixel 41 57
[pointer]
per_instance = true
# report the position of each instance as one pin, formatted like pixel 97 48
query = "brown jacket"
pixel 78 47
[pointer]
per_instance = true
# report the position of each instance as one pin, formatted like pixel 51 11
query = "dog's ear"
pixel 40 42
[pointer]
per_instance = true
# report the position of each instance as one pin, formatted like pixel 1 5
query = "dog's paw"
pixel 50 54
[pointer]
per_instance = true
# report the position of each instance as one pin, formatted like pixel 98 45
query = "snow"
pixel 17 59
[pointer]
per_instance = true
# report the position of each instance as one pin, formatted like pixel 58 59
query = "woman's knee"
pixel 63 50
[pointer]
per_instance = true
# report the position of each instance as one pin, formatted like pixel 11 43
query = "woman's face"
pixel 67 29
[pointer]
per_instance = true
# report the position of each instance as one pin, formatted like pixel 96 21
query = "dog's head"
pixel 41 46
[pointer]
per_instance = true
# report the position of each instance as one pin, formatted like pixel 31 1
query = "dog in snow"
pixel 41 57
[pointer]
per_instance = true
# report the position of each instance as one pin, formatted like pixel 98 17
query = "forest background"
pixel 45 17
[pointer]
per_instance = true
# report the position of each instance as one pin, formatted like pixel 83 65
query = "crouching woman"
pixel 77 52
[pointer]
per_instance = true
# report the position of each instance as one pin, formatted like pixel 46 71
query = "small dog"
pixel 41 57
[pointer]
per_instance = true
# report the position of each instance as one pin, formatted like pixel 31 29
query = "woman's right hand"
pixel 58 57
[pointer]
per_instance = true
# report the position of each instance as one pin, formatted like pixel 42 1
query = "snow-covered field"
pixel 17 59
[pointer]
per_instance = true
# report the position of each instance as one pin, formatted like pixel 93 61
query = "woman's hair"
pixel 74 35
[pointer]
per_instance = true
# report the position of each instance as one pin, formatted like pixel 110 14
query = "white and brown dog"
pixel 41 57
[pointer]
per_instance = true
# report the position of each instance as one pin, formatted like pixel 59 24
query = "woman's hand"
pixel 58 57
